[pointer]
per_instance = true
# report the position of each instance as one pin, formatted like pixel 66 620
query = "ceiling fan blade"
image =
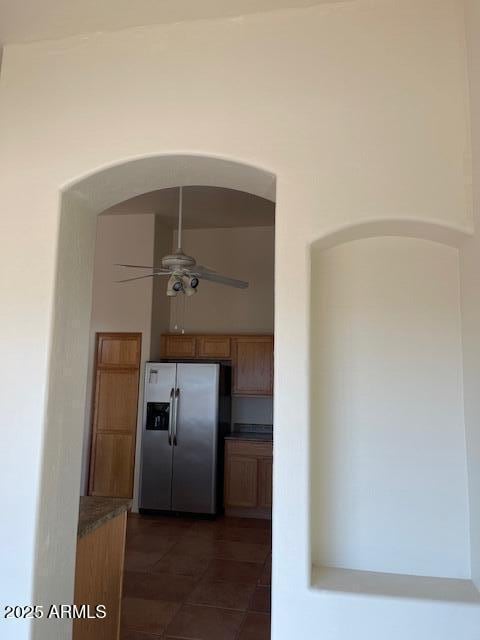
pixel 141 266
pixel 230 282
pixel 200 268
pixel 150 275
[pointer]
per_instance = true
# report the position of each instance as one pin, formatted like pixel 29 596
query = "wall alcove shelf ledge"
pixel 394 585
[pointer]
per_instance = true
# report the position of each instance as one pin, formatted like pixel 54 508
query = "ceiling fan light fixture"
pixel 189 291
pixel 191 286
pixel 175 286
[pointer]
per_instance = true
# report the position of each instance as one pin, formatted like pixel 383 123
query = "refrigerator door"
pixel 157 445
pixel 195 438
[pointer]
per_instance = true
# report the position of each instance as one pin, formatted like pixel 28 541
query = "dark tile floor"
pixel 195 579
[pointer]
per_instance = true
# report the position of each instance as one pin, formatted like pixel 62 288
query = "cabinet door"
pixel 98 578
pixel 179 346
pixel 217 347
pixel 116 398
pixel 113 465
pixel 118 350
pixel 114 411
pixel 241 479
pixel 265 467
pixel 253 366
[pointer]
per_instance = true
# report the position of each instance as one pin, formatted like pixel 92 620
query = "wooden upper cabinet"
pixel 116 350
pixel 251 357
pixel 214 347
pixel 253 365
pixel 179 346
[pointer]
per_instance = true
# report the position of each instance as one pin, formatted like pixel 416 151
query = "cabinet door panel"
pixel 241 482
pixel 118 351
pixel 113 467
pixel 98 578
pixel 265 467
pixel 117 395
pixel 179 347
pixel 114 415
pixel 253 366
pixel 213 347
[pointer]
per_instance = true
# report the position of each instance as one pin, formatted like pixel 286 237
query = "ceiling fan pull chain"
pixel 183 303
pixel 174 314
pixel 178 315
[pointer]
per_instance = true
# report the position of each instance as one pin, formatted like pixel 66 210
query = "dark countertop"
pixel 245 435
pixel 97 511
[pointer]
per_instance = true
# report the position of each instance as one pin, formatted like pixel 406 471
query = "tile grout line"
pixel 202 575
pixel 240 628
pixel 197 579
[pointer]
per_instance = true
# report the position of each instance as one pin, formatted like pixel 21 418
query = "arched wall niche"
pixel 81 200
pixel 388 476
pixel 408 228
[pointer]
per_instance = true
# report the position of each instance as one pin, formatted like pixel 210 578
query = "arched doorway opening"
pixel 81 203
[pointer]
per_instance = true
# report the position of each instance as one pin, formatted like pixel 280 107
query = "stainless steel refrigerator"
pixel 185 414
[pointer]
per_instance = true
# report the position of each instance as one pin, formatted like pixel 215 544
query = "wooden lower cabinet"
pixel 248 478
pixel 241 481
pixel 99 580
pixel 265 483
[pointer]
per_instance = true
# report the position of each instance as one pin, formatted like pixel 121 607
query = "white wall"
pixel 388 459
pixel 246 253
pixel 127 239
pixel 359 108
pixel 470 280
pixel 160 302
pixel 63 434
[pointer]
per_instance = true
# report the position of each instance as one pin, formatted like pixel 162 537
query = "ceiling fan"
pixel 183 271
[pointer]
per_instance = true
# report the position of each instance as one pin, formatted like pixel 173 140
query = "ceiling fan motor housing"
pixel 178 261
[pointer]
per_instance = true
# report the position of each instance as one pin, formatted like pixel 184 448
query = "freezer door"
pixel 195 438
pixel 157 446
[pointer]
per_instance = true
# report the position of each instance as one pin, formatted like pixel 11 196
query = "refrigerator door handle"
pixel 170 416
pixel 177 394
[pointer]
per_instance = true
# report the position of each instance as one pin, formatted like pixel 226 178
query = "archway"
pixel 81 202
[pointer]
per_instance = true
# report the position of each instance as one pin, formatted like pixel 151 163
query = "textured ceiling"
pixel 29 20
pixel 203 207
